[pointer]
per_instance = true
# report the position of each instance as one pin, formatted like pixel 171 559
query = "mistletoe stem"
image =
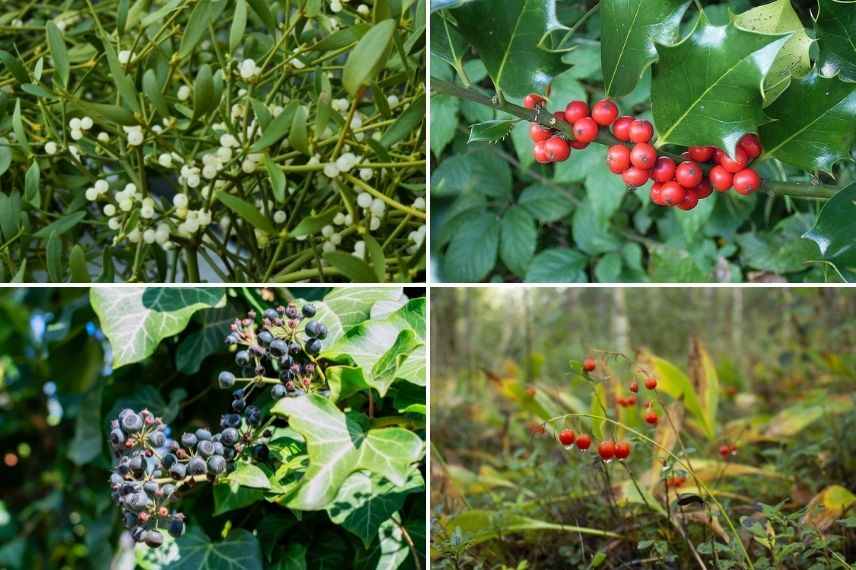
pixel 546 119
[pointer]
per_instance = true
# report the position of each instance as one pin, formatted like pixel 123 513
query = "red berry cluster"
pixel 680 185
pixel 726 450
pixel 569 439
pixel 650 416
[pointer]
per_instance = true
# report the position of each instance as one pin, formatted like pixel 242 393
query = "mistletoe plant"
pixel 327 415
pixel 212 140
pixel 685 97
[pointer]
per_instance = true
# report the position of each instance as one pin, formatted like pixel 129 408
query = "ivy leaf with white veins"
pixel 836 38
pixel 137 319
pixel 707 89
pixel 339 444
pixel 238 551
pixel 816 123
pixel 629 29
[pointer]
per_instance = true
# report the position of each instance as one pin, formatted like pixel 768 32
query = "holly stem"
pixel 546 119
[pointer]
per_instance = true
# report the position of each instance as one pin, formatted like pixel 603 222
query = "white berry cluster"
pixel 374 208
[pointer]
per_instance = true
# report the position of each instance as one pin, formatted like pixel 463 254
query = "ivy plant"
pixel 212 140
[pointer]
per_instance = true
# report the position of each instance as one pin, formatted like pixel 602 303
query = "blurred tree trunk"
pixel 737 330
pixel 620 323
pixel 467 336
pixel 527 320
pixel 787 318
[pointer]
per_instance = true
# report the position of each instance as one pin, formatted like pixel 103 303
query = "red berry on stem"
pixel 557 148
pixel 651 383
pixel 651 417
pixel 540 153
pixel 631 400
pixel 657 194
pixel 690 200
pixel 664 169
pixel 725 451
pixel 585 130
pixel 643 156
pixel 703 190
pixel 621 128
pixel 588 364
pixel 688 174
pixel 618 158
pixel 539 133
pixel 750 143
pixel 634 387
pixel 575 111
pixel 736 164
pixel 622 450
pixel 720 178
pixel 640 131
pixel 606 450
pixel 578 144
pixel 673 193
pixel 583 441
pixel 700 153
pixel 746 181
pixel 634 176
pixel 532 100
pixel 566 437
pixel 604 112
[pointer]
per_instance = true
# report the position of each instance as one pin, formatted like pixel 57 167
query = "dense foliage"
pixel 213 140
pixel 705 74
pixel 278 440
pixel 740 458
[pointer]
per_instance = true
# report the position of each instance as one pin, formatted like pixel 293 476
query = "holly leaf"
pixel 239 551
pixel 629 29
pixel 833 233
pixel 339 444
pixel 136 319
pixel 816 123
pixel 491 131
pixel 793 59
pixel 836 38
pixel 706 89
pixel 508 42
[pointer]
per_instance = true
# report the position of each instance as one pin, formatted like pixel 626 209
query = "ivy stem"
pixel 546 119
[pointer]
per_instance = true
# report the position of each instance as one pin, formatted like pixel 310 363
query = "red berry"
pixel 664 169
pixel 724 451
pixel 575 111
pixel 621 128
pixel 690 200
pixel 539 133
pixel 634 387
pixel 700 153
pixel 540 153
pixel 688 174
pixel 557 148
pixel 618 158
pixel 606 450
pixel 621 401
pixel 750 143
pixel 651 418
pixel 631 400
pixel 720 178
pixel 651 383
pixel 676 481
pixel 746 181
pixel 643 156
pixel 588 364
pixel 657 194
pixel 736 164
pixel 585 130
pixel 578 144
pixel 583 441
pixel 566 437
pixel 673 193
pixel 532 100
pixel 604 112
pixel 634 176
pixel 640 131
pixel 622 450
pixel 703 190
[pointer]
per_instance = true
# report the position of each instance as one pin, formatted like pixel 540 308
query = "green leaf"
pixel 32 194
pixel 546 204
pixel 18 127
pixel 350 266
pixel 299 136
pixel 376 258
pixel 107 113
pixel 781 250
pixel 477 526
pixel 246 211
pixel 608 268
pixel 518 240
pixel 629 30
pixel 238 551
pixel 366 500
pixel 77 265
pixel 339 444
pixel 249 475
pixel 152 90
pixel 10 214
pixel 491 131
pixel 136 319
pixel 836 38
pixel 368 57
pixel 816 123
pixel 446 41
pixel 353 305
pixel 5 155
pixel 833 233
pixel 312 224
pixel 58 52
pixel 228 499
pixel 203 92
pixel 86 445
pixel 239 24
pixel 262 9
pixel 406 123
pixel 277 179
pixel 53 259
pixel 444 121
pixel 277 129
pixel 793 59
pixel 673 382
pixel 123 83
pixel 342 38
pixel 721 100
pixel 345 381
pixel 198 345
pixel 206 12
pixel 472 252
pixel 61 225
pixel 694 221
pixel 558 265
pixel 507 41
pixel 15 67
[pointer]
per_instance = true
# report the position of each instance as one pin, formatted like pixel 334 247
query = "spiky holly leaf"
pixel 833 233
pixel 491 131
pixel 629 29
pixel 509 41
pixel 707 89
pixel 836 38
pixel 815 123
